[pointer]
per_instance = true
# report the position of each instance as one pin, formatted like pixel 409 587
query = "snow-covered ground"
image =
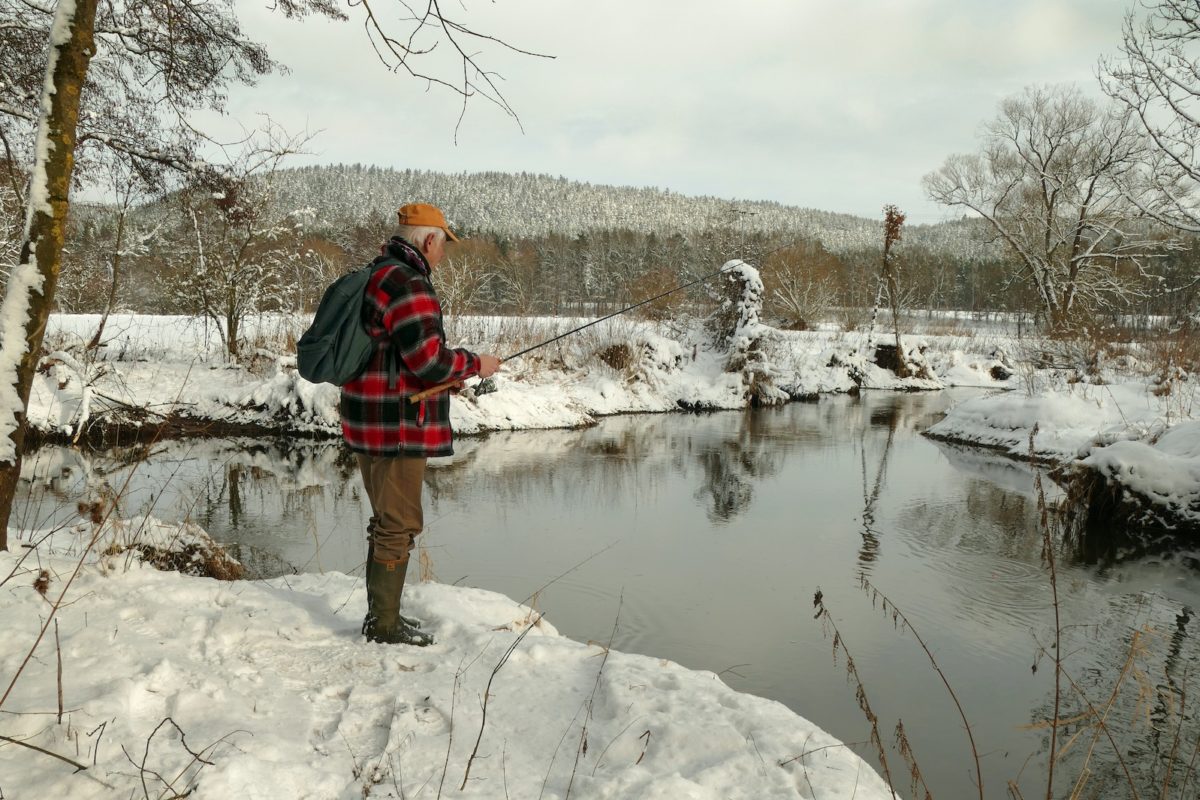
pixel 265 689
pixel 174 364
pixel 277 694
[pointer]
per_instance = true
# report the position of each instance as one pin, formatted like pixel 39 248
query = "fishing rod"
pixel 441 387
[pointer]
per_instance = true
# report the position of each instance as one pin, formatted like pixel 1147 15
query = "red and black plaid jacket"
pixel 403 311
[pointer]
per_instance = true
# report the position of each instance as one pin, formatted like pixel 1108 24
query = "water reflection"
pixel 1129 726
pixel 716 529
pixel 731 466
pixel 1104 545
pixel 886 417
pixel 1124 678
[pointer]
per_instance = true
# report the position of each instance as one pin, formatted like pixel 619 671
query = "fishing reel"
pixel 485 386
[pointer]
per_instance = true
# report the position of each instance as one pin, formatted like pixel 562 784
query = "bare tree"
pixel 237 248
pixel 893 222
pixel 134 71
pixel 313 266
pixel 463 280
pixel 108 240
pixel 1157 79
pixel 1050 182
pixel 518 279
pixel 802 283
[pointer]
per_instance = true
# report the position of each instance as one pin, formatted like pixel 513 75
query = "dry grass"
pixel 503 335
pixel 619 356
pixel 1173 357
pixel 205 561
pixel 830 629
pixel 425 563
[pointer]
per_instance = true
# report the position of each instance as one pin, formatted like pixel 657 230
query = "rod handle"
pixel 432 390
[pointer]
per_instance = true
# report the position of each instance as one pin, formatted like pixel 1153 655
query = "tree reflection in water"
pixel 731 465
pixel 888 417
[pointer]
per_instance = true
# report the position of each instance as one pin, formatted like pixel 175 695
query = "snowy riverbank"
pixel 1141 448
pixel 155 367
pixel 265 689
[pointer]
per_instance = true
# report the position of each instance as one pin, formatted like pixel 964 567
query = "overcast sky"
pixel 840 105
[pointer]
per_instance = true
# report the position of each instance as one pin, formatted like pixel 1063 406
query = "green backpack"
pixel 335 348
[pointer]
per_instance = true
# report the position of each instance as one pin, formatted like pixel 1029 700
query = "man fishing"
pixel 391 436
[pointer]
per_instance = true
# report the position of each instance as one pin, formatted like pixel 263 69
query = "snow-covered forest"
pixel 531 206
pixel 534 244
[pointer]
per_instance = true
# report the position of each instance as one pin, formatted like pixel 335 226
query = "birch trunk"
pixel 30 291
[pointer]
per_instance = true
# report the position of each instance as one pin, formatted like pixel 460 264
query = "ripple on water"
pixel 995 593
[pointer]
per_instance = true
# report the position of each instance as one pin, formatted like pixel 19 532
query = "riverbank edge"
pixel 1101 511
pixel 138 426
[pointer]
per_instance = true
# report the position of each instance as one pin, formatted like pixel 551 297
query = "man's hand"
pixel 488 364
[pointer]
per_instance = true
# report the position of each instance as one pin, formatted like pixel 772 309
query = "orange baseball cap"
pixel 425 215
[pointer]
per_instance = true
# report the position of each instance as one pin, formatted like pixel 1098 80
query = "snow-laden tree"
pixel 1157 78
pixel 737 327
pixel 1050 179
pixel 84 77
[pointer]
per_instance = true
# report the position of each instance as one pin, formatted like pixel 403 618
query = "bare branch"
pixel 398 55
pixel 78 767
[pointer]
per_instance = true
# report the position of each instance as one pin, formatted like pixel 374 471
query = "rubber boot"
pixel 385 583
pixel 409 621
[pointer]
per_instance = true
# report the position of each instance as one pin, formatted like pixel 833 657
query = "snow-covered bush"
pixel 116 544
pixel 287 396
pixel 737 328
pixel 641 358
pixel 184 547
pixel 65 382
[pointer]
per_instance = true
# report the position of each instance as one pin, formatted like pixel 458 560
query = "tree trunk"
pixel 112 284
pixel 232 332
pixel 30 291
pixel 893 222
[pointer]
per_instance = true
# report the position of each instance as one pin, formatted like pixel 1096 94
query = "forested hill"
pixel 528 206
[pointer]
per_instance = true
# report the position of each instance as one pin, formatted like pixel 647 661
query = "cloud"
pixel 838 106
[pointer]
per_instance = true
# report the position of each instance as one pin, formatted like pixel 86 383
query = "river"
pixel 703 539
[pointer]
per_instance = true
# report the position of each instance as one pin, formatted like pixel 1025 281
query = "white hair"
pixel 415 234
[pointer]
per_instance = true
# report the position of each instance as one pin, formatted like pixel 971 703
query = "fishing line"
pixel 489 387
